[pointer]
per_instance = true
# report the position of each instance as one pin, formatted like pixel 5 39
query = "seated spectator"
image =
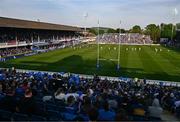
pixel 19 90
pixel 59 94
pixel 71 105
pixel 9 102
pixel 137 107
pixel 106 114
pixel 74 95
pixel 121 115
pixel 90 100
pixel 27 104
pixel 113 104
pixel 155 110
pixel 93 114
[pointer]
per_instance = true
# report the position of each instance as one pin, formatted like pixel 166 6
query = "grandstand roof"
pixel 26 24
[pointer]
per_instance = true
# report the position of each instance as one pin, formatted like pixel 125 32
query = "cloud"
pixel 109 12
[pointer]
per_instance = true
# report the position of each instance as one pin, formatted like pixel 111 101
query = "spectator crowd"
pixel 43 46
pixel 131 38
pixel 42 96
pixel 14 51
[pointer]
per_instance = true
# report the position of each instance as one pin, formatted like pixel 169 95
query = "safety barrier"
pixel 118 79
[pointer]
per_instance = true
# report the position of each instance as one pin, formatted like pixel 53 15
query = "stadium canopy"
pixel 26 24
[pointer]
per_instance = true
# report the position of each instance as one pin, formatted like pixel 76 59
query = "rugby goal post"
pixel 117 59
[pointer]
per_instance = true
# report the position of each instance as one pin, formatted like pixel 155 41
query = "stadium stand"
pixel 129 38
pixel 45 96
pixel 20 37
pixel 42 96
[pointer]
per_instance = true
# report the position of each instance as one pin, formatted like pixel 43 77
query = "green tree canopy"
pixel 93 31
pixel 178 26
pixel 122 30
pixel 136 29
pixel 166 30
pixel 154 31
pixel 110 30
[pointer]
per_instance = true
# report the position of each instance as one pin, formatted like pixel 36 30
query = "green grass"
pixel 146 63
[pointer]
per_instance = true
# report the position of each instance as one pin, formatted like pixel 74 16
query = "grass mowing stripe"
pixel 154 64
pixel 124 57
pixel 164 60
pixel 173 58
pixel 158 64
pixel 83 60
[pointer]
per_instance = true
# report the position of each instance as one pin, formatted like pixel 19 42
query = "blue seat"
pixel 61 108
pixel 40 104
pixel 154 119
pixel 38 99
pixel 59 102
pixel 68 116
pixel 37 118
pixel 177 112
pixel 5 115
pixel 139 118
pixel 40 108
pixel 53 115
pixel 20 117
pixel 51 107
pixel 71 110
pixel 50 101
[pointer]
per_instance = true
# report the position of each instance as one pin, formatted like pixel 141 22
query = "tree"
pixel 153 31
pixel 101 31
pixel 93 31
pixel 110 30
pixel 122 30
pixel 178 32
pixel 178 26
pixel 166 31
pixel 136 29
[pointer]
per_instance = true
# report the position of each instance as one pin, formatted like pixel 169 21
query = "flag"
pixel 175 11
pixel 74 79
pixel 2 77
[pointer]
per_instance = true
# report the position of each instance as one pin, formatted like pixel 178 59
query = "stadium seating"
pixel 20 117
pixel 53 115
pixel 131 38
pixel 93 100
pixel 5 115
pixel 37 118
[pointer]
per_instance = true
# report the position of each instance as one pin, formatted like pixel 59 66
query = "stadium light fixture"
pixel 175 13
pixel 85 18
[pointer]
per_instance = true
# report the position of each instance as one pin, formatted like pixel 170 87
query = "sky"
pixel 108 12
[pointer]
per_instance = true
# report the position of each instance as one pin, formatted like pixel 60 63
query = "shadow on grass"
pixel 76 64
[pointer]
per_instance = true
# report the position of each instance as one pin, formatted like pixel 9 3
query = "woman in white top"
pixel 59 94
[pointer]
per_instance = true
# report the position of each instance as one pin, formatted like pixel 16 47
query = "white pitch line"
pixel 109 59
